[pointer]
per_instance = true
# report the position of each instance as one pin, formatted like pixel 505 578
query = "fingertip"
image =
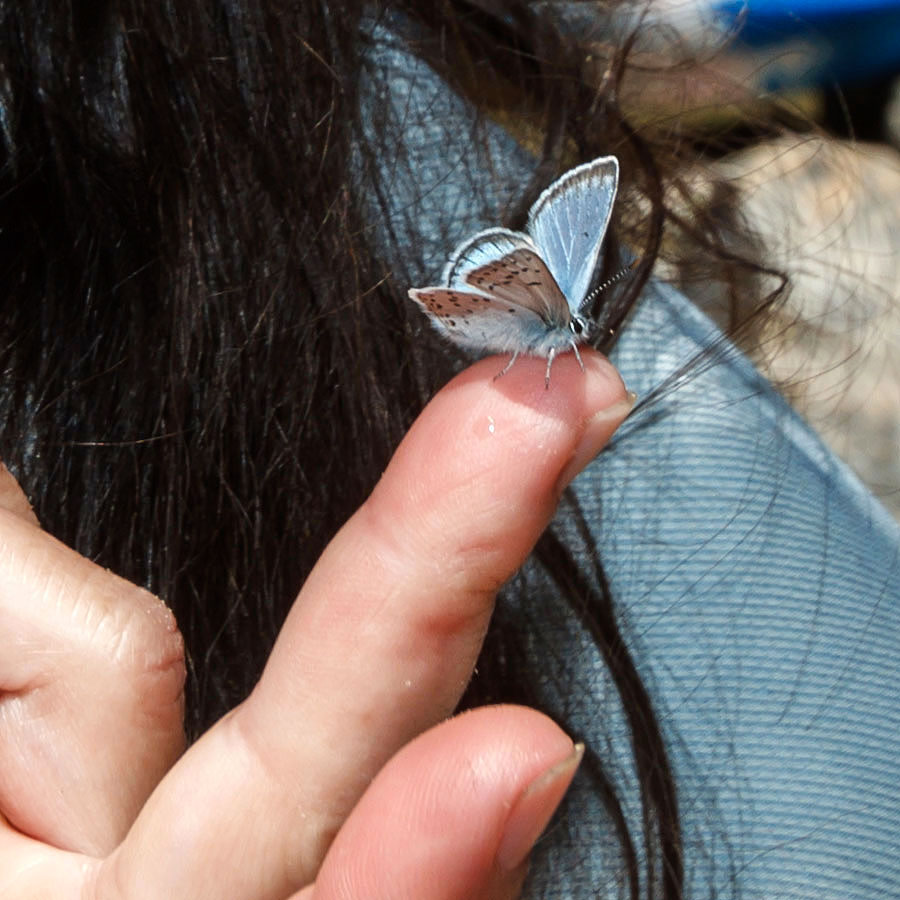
pixel 572 390
pixel 588 397
pixel 500 448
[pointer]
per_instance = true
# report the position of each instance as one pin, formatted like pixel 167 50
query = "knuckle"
pixel 133 637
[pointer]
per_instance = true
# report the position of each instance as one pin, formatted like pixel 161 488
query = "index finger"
pixel 383 637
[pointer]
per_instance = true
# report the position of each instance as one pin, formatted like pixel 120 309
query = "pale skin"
pixel 341 775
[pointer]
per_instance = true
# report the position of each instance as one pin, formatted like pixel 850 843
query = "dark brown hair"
pixel 195 395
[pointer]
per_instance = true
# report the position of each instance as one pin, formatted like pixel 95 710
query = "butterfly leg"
pixel 577 355
pixel 550 357
pixel 508 366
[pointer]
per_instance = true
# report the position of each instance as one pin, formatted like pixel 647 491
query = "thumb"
pixel 454 815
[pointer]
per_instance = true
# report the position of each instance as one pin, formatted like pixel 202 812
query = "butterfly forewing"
pixel 569 221
pixel 506 264
pixel 521 277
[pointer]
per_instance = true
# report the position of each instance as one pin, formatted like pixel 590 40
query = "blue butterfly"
pixel 524 292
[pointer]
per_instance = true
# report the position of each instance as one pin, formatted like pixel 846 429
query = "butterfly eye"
pixel 576 325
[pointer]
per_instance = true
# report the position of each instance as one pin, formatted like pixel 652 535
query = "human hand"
pixel 333 779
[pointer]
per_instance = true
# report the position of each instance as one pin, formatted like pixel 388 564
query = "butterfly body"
pixel 522 292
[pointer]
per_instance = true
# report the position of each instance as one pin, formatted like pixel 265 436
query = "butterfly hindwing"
pixel 481 322
pixel 480 249
pixel 569 221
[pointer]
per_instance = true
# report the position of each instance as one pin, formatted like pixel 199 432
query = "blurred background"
pixel 797 104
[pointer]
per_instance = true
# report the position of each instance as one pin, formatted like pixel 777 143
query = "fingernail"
pixel 597 432
pixel 533 810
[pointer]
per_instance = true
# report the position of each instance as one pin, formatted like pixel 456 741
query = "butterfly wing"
pixel 569 221
pixel 506 265
pixel 482 248
pixel 477 321
pixel 499 295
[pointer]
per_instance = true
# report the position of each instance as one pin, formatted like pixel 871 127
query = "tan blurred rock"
pixel 828 214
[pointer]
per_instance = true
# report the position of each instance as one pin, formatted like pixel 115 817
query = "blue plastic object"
pixel 817 41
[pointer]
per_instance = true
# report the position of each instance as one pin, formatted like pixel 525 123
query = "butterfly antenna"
pixel 577 355
pixel 610 281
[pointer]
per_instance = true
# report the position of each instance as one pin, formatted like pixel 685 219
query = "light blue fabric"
pixel 759 583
